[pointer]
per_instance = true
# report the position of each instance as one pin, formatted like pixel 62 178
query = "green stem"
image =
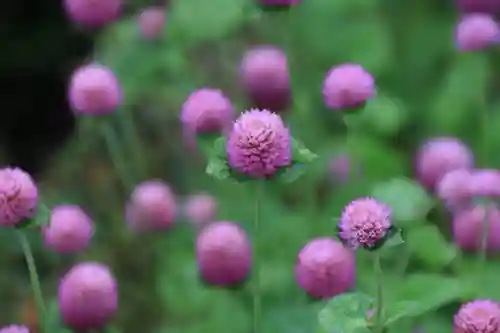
pixel 257 311
pixel 379 310
pixel 131 135
pixel 483 244
pixel 34 280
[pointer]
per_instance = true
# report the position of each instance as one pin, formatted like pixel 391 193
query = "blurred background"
pixel 425 89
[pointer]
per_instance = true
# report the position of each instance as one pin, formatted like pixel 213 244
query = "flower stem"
pixel 134 143
pixel 257 311
pixel 379 310
pixel 483 242
pixel 34 280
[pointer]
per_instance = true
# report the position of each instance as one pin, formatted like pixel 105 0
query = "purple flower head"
pixel 70 229
pixel 18 196
pixel 325 268
pixel 478 6
pixel 94 90
pixel 93 13
pixel 476 32
pixel 485 183
pixel 88 296
pixel 347 86
pixel 151 207
pixel 266 79
pixel 439 156
pixel 151 22
pixel 205 111
pixel 454 189
pixel 479 316
pixel 200 209
pixel 467 228
pixel 365 223
pixel 259 144
pixel 223 253
pixel 14 329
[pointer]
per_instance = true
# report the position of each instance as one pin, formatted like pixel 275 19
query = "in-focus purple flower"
pixel 152 22
pixel 224 254
pixel 70 229
pixel 151 207
pixel 94 90
pixel 347 86
pixel 18 196
pixel 92 13
pixel 200 209
pixel 266 79
pixel 454 189
pixel 467 228
pixel 478 316
pixel 259 144
pixel 485 183
pixel 439 156
pixel 14 329
pixel 206 111
pixel 88 297
pixel 325 268
pixel 365 223
pixel 478 6
pixel 476 32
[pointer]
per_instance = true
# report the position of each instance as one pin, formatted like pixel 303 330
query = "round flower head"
pixel 325 268
pixel 92 13
pixel 468 228
pixel 18 196
pixel 439 156
pixel 151 22
pixel 206 110
pixel 476 32
pixel 479 316
pixel 88 297
pixel 14 329
pixel 151 207
pixel 485 183
pixel 200 209
pixel 224 254
pixel 478 6
pixel 94 90
pixel 259 144
pixel 266 79
pixel 70 229
pixel 454 189
pixel 365 223
pixel 347 86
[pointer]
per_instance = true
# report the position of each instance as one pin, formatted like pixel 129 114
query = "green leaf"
pixel 394 239
pixel 217 168
pixel 206 142
pixel 428 245
pixel 41 218
pixel 219 147
pixel 194 21
pixel 409 200
pixel 290 174
pixel 301 154
pixel 291 319
pixel 346 313
pixel 53 320
pixel 384 115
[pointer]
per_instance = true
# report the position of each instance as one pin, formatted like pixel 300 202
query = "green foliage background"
pixel 425 88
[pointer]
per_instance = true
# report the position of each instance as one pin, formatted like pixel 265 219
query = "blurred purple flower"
pixel 341 170
pixel 478 6
pixel 224 254
pixel 485 183
pixel 18 196
pixel 468 228
pixel 92 13
pixel 454 189
pixel 200 209
pixel 152 22
pixel 325 268
pixel 476 32
pixel 478 316
pixel 14 329
pixel 259 144
pixel 88 296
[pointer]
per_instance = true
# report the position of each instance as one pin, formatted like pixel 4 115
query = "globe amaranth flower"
pixel 485 183
pixel 467 228
pixel 18 196
pixel 454 189
pixel 206 111
pixel 70 229
pixel 259 144
pixel 347 86
pixel 152 22
pixel 151 207
pixel 439 156
pixel 478 6
pixel 224 254
pixel 14 329
pixel 94 90
pixel 88 296
pixel 365 223
pixel 478 316
pixel 92 13
pixel 325 268
pixel 266 78
pixel 476 32
pixel 200 209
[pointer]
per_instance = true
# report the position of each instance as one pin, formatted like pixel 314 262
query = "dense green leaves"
pixel 346 313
